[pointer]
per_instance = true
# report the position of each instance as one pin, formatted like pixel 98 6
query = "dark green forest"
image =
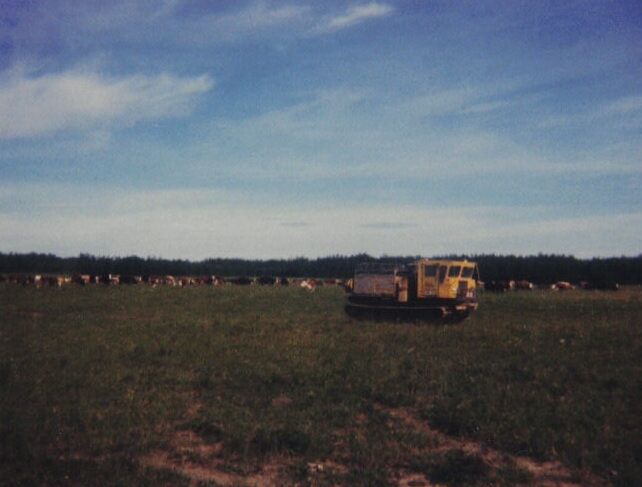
pixel 539 269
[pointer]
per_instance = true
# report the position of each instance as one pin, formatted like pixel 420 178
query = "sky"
pixel 259 129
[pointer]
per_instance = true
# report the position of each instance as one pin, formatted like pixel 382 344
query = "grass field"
pixel 206 386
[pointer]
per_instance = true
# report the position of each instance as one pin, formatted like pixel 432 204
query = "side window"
pixel 454 271
pixel 430 271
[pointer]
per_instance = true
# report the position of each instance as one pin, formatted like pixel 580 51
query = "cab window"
pixel 467 272
pixel 430 271
pixel 454 271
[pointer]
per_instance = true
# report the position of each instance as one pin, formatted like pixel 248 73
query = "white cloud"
pixel 252 22
pixel 356 15
pixel 166 7
pixel 349 132
pixel 38 105
pixel 625 106
pixel 261 16
pixel 213 25
pixel 625 113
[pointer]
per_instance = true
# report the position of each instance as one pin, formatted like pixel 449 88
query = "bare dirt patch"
pixel 202 463
pixel 543 474
pixel 208 470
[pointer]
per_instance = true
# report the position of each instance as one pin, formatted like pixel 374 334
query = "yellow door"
pixel 443 290
pixel 428 280
pixel 441 279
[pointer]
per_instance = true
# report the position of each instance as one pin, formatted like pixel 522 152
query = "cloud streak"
pixel 356 15
pixel 39 105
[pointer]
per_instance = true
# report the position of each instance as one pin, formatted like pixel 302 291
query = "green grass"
pixel 93 378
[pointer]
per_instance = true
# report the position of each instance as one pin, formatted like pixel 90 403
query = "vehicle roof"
pixel 447 262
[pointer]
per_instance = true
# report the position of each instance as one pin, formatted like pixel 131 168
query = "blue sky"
pixel 276 129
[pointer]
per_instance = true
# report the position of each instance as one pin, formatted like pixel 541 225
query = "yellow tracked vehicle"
pixel 423 289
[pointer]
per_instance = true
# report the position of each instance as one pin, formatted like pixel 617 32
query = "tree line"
pixel 539 269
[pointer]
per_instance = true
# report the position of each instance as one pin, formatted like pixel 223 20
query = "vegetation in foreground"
pixel 94 380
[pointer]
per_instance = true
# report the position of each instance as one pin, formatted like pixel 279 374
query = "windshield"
pixel 454 271
pixel 468 272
